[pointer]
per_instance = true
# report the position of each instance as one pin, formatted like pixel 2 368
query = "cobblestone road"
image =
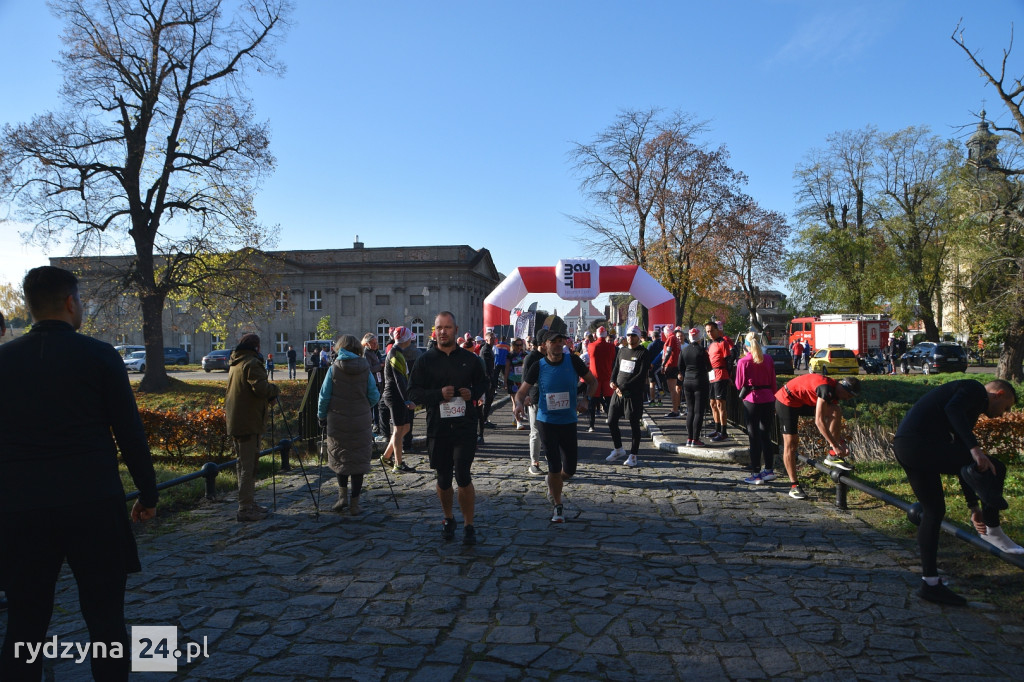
pixel 674 570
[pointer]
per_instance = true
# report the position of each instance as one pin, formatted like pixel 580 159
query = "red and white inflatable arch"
pixel 580 280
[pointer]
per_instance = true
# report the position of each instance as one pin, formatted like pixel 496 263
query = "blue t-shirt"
pixel 557 385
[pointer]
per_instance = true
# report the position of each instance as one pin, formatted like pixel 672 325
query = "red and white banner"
pixel 578 279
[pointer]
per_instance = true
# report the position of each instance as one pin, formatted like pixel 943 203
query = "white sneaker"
pixel 631 461
pixel 998 539
pixel 616 454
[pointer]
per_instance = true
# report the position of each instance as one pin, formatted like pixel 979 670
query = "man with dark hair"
pixel 557 380
pixel 60 492
pixel 249 395
pixel 448 380
pixel 814 395
pixel 628 380
pixel 936 437
pixel 293 358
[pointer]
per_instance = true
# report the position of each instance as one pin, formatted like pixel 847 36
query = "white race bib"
pixel 456 407
pixel 627 366
pixel 557 401
pixel 711 376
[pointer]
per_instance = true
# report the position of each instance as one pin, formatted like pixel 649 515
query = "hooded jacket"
pixel 249 394
pixel 348 393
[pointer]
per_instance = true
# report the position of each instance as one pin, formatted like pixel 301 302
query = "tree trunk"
pixel 1011 356
pixel 155 379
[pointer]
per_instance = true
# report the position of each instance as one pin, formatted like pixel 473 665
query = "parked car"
pixel 782 358
pixel 175 356
pixel 126 350
pixel 135 362
pixel 216 359
pixel 932 358
pixel 311 347
pixel 835 360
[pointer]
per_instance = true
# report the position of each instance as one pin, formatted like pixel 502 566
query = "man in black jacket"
pixel 448 380
pixel 629 379
pixel 66 402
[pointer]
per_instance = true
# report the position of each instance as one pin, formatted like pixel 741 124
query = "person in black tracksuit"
pixel 936 437
pixel 694 366
pixel 629 380
pixel 68 409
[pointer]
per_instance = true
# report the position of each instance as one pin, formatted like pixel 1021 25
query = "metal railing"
pixel 843 480
pixel 210 470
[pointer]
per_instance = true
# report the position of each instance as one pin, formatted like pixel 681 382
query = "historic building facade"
pixel 361 290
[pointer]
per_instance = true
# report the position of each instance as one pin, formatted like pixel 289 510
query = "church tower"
pixel 981 147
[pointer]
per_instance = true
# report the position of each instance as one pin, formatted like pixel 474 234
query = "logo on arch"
pixel 578 279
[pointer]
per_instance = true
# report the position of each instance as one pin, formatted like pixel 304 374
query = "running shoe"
pixel 521 427
pixel 385 461
pixel 672 415
pixel 837 462
pixel 448 529
pixel 754 480
pixel 689 442
pixel 631 461
pixel 469 535
pixel 590 430
pixel 697 443
pixel 403 468
pixel 535 470
pixel 615 454
pixel 557 516
pixel 719 437
pixel 940 594
pixel 797 493
pixel 768 475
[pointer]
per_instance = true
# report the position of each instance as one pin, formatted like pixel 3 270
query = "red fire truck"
pixel 859 333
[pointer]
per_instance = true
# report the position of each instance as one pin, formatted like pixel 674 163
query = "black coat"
pixel 64 401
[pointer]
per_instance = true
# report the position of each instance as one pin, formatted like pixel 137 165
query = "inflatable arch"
pixel 580 280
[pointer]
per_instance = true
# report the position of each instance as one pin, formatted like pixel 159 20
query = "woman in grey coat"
pixel 346 398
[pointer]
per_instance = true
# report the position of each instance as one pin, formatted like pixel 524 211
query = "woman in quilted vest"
pixel 346 398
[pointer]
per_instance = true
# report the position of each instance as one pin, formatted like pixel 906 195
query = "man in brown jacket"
pixel 248 398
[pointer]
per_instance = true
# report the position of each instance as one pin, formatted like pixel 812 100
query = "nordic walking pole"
pixel 388 478
pixel 302 466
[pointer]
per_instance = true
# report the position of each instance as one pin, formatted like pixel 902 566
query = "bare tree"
pixel 622 172
pixel 156 146
pixel 751 248
pixel 997 279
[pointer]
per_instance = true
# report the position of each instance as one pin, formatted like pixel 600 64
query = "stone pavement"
pixel 673 570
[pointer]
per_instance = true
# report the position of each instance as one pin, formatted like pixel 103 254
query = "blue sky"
pixel 450 122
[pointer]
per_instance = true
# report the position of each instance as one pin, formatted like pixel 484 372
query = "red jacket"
pixel 602 357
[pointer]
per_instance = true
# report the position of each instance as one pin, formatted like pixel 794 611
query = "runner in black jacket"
pixel 629 380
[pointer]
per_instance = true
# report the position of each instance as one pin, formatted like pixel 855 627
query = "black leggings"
pixel 357 483
pixel 759 424
pixel 592 407
pixel 696 395
pixel 632 406
pixel 925 463
pixel 560 446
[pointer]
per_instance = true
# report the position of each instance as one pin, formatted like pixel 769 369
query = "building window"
pixel 316 299
pixel 348 306
pixel 416 299
pixel 186 343
pixel 383 332
pixel 216 342
pixel 383 299
pixel 281 342
pixel 417 331
pixel 281 301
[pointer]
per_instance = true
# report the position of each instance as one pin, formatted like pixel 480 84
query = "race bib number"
pixel 627 366
pixel 516 376
pixel 711 376
pixel 557 401
pixel 456 407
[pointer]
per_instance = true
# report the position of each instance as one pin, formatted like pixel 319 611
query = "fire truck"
pixel 859 333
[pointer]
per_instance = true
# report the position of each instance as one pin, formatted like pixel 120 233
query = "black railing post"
pixel 841 489
pixel 209 472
